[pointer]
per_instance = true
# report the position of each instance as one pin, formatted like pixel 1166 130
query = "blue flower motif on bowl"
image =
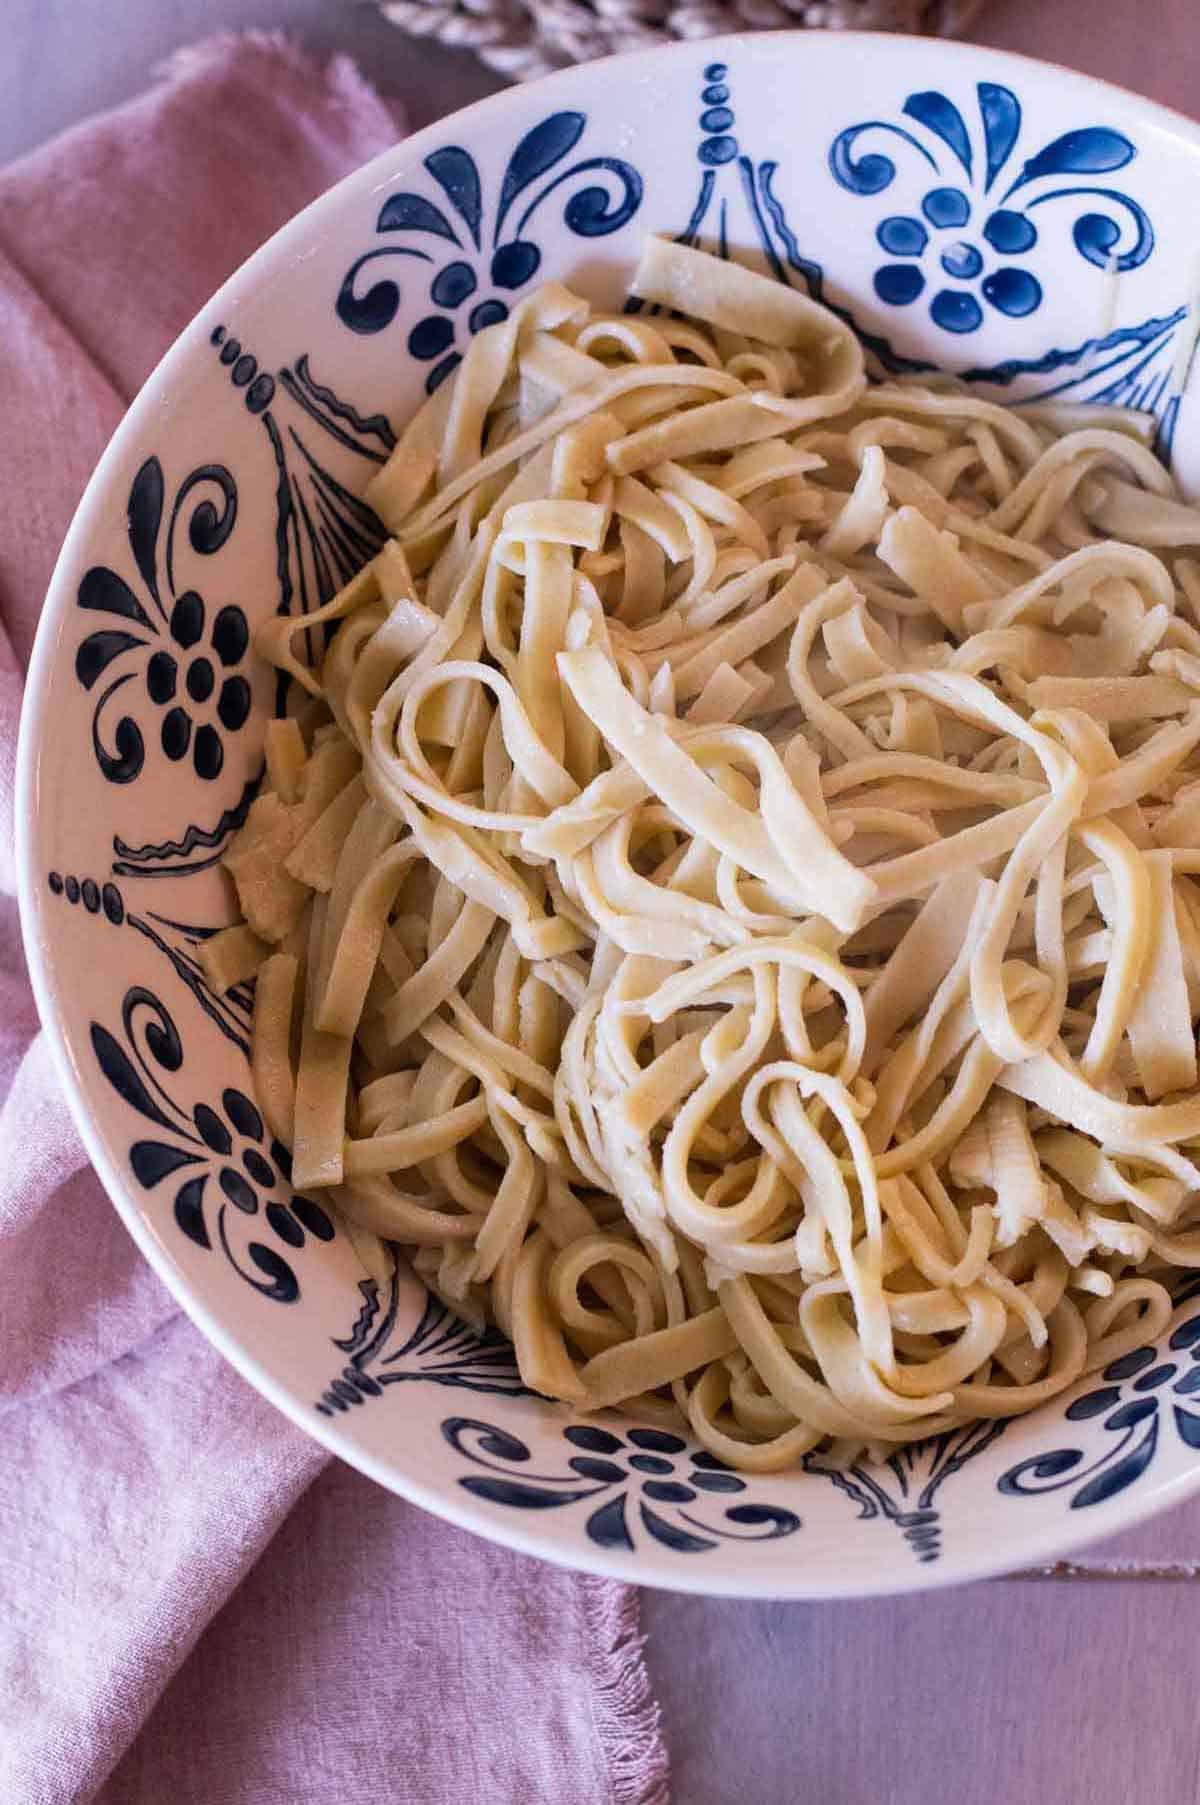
pixel 227 1144
pixel 1132 1405
pixel 479 259
pixel 192 657
pixel 667 1478
pixel 962 240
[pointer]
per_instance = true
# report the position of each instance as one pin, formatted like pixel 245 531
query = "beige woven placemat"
pixel 524 38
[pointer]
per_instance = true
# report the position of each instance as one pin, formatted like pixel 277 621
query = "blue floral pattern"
pixel 220 1158
pixel 1135 366
pixel 651 1476
pixel 189 661
pixel 1141 1393
pixel 967 229
pixel 644 1477
pixel 469 260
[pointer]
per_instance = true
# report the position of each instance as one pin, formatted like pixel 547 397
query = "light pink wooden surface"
pixel 1015 1692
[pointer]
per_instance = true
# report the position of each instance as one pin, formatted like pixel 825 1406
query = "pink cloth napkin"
pixel 195 1604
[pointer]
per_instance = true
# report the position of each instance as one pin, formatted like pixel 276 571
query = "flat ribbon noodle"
pixel 722 892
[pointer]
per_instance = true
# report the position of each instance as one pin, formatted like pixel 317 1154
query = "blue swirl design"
pixel 477 259
pixel 231 1178
pixel 967 229
pixel 644 1478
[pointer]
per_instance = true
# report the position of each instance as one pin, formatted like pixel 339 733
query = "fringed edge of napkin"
pixel 627 1715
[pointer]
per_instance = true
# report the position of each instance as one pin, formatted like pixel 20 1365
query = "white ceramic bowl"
pixel 966 210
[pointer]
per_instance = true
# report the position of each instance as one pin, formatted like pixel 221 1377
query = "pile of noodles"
pixel 728 899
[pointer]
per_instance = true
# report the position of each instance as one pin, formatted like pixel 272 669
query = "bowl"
pixel 1020 225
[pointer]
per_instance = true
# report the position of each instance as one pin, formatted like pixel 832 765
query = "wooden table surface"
pixel 1072 1687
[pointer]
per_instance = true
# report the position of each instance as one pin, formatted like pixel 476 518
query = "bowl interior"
pixel 968 211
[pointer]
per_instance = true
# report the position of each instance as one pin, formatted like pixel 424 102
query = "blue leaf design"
pixel 1128 1416
pixel 1048 1466
pixel 413 213
pixel 454 171
pixel 124 1078
pixel 537 152
pixel 717 1482
pixel 669 1491
pixel 103 591
pixel 1108 1484
pixel 517 1492
pixel 1127 1364
pixel 98 651
pixel 145 518
pixel 670 1534
pixel 1093 150
pixel 1188 1425
pixel 590 1466
pixel 660 1441
pixel 943 118
pixel 242 1113
pixel 1000 111
pixel 595 1440
pixel 314 1218
pixel 280 1283
pixel 608 1527
pixel 152 1161
pixel 189 1210
pixel 1093 1403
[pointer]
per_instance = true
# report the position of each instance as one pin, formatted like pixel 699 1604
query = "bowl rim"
pixel 784 1580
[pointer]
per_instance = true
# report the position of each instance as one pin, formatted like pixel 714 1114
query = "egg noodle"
pixel 728 900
